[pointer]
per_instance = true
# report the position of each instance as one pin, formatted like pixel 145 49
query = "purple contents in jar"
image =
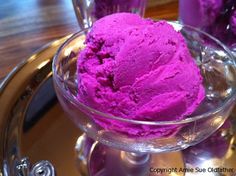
pixel 216 17
pixel 107 7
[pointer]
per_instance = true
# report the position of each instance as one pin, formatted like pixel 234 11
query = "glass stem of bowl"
pixel 135 158
pixel 135 163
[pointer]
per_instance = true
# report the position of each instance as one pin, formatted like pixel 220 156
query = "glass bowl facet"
pixel 217 68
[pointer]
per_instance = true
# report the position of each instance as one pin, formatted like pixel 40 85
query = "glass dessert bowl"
pixel 219 79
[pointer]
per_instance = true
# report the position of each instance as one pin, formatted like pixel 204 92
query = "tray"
pixel 33 125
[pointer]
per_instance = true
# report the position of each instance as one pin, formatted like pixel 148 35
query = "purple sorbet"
pixel 138 69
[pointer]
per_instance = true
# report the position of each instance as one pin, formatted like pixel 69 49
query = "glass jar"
pixel 216 17
pixel 88 11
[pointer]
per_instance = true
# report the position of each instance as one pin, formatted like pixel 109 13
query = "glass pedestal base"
pixel 94 158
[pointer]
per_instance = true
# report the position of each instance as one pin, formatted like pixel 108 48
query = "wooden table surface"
pixel 27 25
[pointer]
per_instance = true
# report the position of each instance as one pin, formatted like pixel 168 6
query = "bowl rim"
pixel 188 119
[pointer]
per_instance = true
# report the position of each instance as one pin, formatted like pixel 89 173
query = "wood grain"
pixel 26 25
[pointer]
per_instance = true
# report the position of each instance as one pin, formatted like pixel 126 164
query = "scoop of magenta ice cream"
pixel 138 69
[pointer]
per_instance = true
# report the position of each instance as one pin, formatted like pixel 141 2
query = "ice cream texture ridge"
pixel 138 69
